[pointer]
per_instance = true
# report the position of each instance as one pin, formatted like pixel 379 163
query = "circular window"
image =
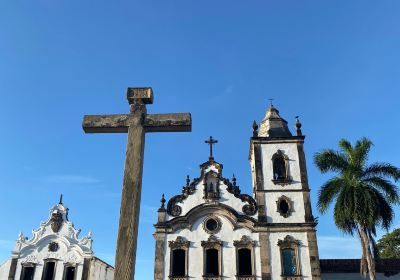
pixel 212 225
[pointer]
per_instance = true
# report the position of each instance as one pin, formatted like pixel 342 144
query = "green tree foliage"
pixel 364 195
pixel 389 245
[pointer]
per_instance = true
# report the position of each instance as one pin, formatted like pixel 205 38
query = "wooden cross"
pixel 136 124
pixel 211 141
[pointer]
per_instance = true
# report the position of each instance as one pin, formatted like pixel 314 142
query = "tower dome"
pixel 273 125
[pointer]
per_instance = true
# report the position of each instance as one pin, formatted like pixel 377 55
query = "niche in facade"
pixel 211 186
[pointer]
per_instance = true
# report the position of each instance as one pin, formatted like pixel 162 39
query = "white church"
pixel 55 252
pixel 211 230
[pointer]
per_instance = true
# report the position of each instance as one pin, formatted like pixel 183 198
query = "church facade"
pixel 55 252
pixel 213 231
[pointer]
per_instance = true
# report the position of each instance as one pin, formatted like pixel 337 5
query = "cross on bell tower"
pixel 211 141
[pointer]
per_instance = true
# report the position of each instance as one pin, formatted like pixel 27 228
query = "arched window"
pixel 289 248
pixel 280 168
pixel 49 270
pixel 212 262
pixel 28 271
pixel 178 262
pixel 179 258
pixel 244 256
pixel 69 272
pixel 244 265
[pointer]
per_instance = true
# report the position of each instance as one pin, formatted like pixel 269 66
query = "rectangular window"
pixel 69 273
pixel 178 262
pixel 212 262
pixel 289 262
pixel 28 272
pixel 49 270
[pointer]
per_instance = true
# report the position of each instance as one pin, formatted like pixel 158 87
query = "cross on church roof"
pixel 211 141
pixel 270 101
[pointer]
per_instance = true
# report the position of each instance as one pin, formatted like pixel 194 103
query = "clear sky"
pixel 333 63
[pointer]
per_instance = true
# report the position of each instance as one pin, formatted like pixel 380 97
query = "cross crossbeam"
pixel 136 124
pixel 152 123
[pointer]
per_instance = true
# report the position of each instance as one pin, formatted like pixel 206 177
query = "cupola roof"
pixel 273 125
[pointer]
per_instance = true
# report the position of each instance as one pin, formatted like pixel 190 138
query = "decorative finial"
pixel 255 129
pixel 66 213
pixel 234 180
pixel 90 234
pixel 61 197
pixel 211 141
pixel 162 207
pixel 298 126
pixel 187 180
pixel 270 102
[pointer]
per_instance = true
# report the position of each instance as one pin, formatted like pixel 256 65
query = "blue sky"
pixel 333 63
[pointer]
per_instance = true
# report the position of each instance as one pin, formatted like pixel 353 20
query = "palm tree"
pixel 364 195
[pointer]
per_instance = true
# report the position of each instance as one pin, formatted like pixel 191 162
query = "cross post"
pixel 211 141
pixel 137 123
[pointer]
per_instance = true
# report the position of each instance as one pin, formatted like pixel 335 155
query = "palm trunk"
pixel 367 254
pixel 363 260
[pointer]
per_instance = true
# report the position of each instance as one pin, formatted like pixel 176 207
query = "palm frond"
pixel 385 211
pixel 347 148
pixel 382 169
pixel 328 192
pixel 388 188
pixel 361 150
pixel 343 212
pixel 330 160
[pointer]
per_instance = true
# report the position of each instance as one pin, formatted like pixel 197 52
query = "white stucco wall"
pixel 290 150
pixel 4 269
pixel 227 234
pixel 297 215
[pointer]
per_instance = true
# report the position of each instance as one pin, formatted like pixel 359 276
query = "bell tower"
pixel 286 224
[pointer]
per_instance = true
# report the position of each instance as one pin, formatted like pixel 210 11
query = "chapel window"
pixel 212 262
pixel 244 265
pixel 179 258
pixel 289 248
pixel 212 258
pixel 69 273
pixel 244 257
pixel 178 262
pixel 49 270
pixel 28 272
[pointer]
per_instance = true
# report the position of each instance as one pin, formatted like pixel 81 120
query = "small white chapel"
pixel 55 252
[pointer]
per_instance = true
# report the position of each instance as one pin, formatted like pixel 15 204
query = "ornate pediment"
pixel 212 183
pixel 55 235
